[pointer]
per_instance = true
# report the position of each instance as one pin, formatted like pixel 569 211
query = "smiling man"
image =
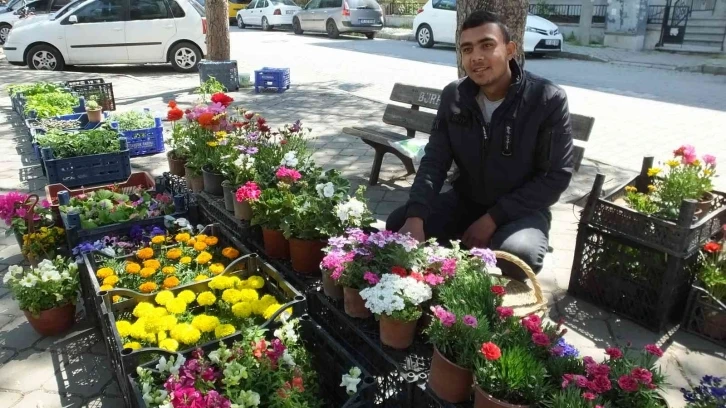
pixel 509 133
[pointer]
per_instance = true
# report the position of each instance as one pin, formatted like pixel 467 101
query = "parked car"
pixel 267 14
pixel 90 32
pixel 9 6
pixel 14 12
pixel 436 23
pixel 340 16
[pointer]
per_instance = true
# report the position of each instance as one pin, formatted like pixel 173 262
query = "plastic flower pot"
pixel 212 182
pixel 704 205
pixel 194 181
pixel 452 383
pixel 228 194
pixel 484 400
pixel 242 210
pixel 306 255
pixel 95 115
pixel 176 166
pixel 330 288
pixel 52 321
pixel 397 334
pixel 354 305
pixel 276 246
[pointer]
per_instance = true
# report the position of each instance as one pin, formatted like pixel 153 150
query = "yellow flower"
pixel 200 246
pixel 212 144
pixel 191 242
pixel 200 278
pixel 200 237
pixel 168 322
pixel 707 172
pixel 186 260
pixel 211 241
pixel 653 171
pixel 148 287
pixel 182 237
pixel 696 163
pixel 152 263
pixel 230 253
pixel 171 282
pixel 187 296
pixel 158 312
pixel 216 268
pixel 115 298
pixel 673 163
pixel 220 134
pixel 134 345
pixel 224 330
pixel 138 330
pixel 104 273
pixel 176 306
pixel 169 345
pixel 163 297
pixel 220 282
pixel 248 295
pixel 270 310
pixel 231 296
pixel 206 298
pixel 185 333
pixel 161 336
pixel 145 253
pixel 630 189
pixel 256 282
pixel 259 306
pixel 132 268
pixel 143 309
pixel 123 327
pixel 111 280
pixel 106 287
pixel 204 257
pixel 168 270
pixel 651 188
pixel 153 325
pixel 242 309
pixel 147 272
pixel 174 254
pixel 205 323
pixel 158 239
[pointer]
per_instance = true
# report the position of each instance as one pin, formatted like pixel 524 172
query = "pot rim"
pixel 204 169
pixel 69 303
pixel 324 240
pixel 478 389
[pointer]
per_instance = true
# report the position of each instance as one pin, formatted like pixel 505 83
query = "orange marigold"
pixel 158 239
pixel 152 263
pixel 200 246
pixel 230 253
pixel 174 253
pixel 132 268
pixel 201 237
pixel 182 237
pixel 171 282
pixel 191 242
pixel 168 270
pixel 148 287
pixel 145 253
pixel 211 241
pixel 147 272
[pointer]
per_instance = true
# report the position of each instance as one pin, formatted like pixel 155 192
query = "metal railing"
pixel 567 13
pixel 401 8
pixel 656 13
pixel 599 12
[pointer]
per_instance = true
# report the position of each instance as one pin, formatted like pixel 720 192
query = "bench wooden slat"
pixel 375 134
pixel 416 95
pixel 581 126
pixel 410 119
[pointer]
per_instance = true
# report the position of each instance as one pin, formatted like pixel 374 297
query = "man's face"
pixel 485 54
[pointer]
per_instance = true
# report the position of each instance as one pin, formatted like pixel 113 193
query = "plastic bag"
pixel 411 148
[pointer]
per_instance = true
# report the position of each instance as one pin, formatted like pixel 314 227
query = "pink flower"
pixel 371 278
pixel 688 158
pixel 470 321
pixel 532 323
pixel 433 279
pixel 448 267
pixel 505 312
pixel 588 396
pixel 598 369
pixel 709 159
pixel 541 339
pixel 614 353
pixel 685 150
pixel 642 375
pixel 600 384
pixel 628 383
pixel 654 350
pixel 287 175
pixel 335 275
pixel 581 381
pixel 499 290
pixel 445 317
pixel 249 192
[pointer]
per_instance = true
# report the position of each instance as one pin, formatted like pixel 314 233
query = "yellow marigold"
pixel 168 270
pixel 186 260
pixel 248 295
pixel 158 239
pixel 153 325
pixel 143 309
pixel 163 297
pixel 111 280
pixel 185 333
pixel 132 268
pixel 673 163
pixel 168 322
pixel 230 253
pixel 191 242
pixel 171 282
pixel 161 336
pixel 123 327
pixel 176 306
pixel 204 257
pixel 174 254
pixel 696 163
pixel 152 263
pixel 235 281
pixel 115 298
pixel 106 287
pixel 134 345
pixel 148 287
pixel 231 296
pixel 259 306
pixel 220 282
pixel 200 278
pixel 651 188
pixel 653 171
pixel 224 330
pixel 212 144
pixel 206 298
pixel 145 253
pixel 104 273
pixel 270 310
pixel 211 241
pixel 187 296
pixel 242 284
pixel 242 309
pixel 200 237
pixel 169 345
pixel 255 282
pixel 147 272
pixel 200 246
pixel 138 330
pixel 205 323
pixel 216 268
pixel 630 189
pixel 182 237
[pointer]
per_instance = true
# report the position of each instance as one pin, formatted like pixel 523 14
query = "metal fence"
pixel 401 8
pixel 567 13
pixel 655 14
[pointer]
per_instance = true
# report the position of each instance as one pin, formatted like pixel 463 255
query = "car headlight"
pixel 530 29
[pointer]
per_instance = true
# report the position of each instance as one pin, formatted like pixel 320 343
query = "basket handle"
pixel 526 269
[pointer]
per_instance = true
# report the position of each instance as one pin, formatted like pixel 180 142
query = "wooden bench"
pixel 413 120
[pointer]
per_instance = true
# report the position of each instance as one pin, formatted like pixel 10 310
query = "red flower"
pixel 206 119
pixel 221 97
pixel 172 104
pixel 588 396
pixel 532 323
pixel 499 290
pixel 174 114
pixel 541 339
pixel 399 271
pixel 505 312
pixel 642 375
pixel 628 383
pixel 297 383
pixel 263 128
pixel 712 247
pixel 249 115
pixel 237 125
pixel 490 351
pixel 418 276
pixel 654 350
pixel 614 353
pixel 600 384
pixel 261 121
pixel 283 142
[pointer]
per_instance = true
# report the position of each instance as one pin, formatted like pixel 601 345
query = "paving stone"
pixel 8 305
pixel 671 367
pixel 697 364
pixel 397 196
pixel 5 356
pixel 386 207
pixel 18 334
pixel 11 255
pixel 5 319
pixel 626 331
pixel 8 398
pixel 112 390
pixel 84 375
pixel 673 397
pixel 42 399
pixel 27 370
pixel 577 309
pixel 104 402
pixel 78 339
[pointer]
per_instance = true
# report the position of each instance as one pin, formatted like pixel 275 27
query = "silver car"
pixel 339 16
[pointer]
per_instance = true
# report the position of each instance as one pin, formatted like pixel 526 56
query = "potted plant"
pixel 708 394
pixel 46 294
pixel 269 212
pixel 94 111
pixel 179 153
pixel 244 196
pixel 14 210
pixel 712 275
pixel 396 301
pixel 238 173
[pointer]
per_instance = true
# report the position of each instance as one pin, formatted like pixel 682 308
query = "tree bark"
pixel 512 12
pixel 217 30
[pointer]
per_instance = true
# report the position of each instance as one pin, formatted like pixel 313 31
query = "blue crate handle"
pixel 73 218
pixel 64 197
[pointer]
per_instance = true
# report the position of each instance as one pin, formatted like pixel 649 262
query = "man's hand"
pixel 480 232
pixel 415 227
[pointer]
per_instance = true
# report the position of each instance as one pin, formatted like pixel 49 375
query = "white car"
pixel 90 32
pixel 267 14
pixel 436 23
pixel 10 15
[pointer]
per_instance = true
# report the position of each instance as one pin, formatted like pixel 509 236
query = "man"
pixel 509 133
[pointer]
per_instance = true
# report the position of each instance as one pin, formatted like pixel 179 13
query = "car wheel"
pixel 46 58
pixel 265 24
pixel 4 31
pixel 240 23
pixel 332 29
pixel 370 36
pixel 296 28
pixel 424 36
pixel 185 57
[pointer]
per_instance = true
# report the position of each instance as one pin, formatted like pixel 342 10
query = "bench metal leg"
pixel 376 169
pixel 381 150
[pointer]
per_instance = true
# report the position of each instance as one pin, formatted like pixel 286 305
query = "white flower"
pixel 108 251
pixel 181 222
pixel 167 405
pixel 15 270
pixel 351 380
pixel 289 160
pixel 353 210
pixel 326 190
pixel 393 292
pixel 28 280
pixel 287 359
pixel 247 399
pixel 46 265
pixel 163 365
pixel 177 365
pixel 7 277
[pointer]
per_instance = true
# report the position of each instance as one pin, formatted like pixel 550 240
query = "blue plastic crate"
pixel 144 141
pixel 272 78
pixel 88 170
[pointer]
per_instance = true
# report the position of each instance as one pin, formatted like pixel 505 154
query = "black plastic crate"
pixel 212 208
pixel 705 316
pixel 102 92
pixel 92 81
pixel 304 283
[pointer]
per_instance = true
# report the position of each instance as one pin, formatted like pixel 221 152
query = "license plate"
pixel 289 11
pixel 552 42
pixel 367 21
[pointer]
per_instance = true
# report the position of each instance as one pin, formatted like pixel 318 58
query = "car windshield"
pixel 71 6
pixel 12 4
pixel 285 2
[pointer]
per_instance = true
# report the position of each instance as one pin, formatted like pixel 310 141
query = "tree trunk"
pixel 217 30
pixel 512 12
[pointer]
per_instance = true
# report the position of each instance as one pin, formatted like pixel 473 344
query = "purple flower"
pixel 253 136
pixel 371 278
pixel 470 321
pixel 338 242
pixel 445 317
pixel 214 399
pixel 252 150
pixel 486 255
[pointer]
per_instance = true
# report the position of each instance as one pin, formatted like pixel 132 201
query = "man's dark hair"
pixel 481 17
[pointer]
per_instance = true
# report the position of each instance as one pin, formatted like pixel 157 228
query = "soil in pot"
pixel 449 381
pixel 397 333
pixel 306 255
pixel 228 191
pixel 176 166
pixel 53 321
pixel 242 210
pixel 354 305
pixel 330 288
pixel 484 400
pixel 276 246
pixel 212 182
pixel 704 205
pixel 194 181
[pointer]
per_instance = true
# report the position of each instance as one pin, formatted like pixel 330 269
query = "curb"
pixel 397 37
pixel 576 56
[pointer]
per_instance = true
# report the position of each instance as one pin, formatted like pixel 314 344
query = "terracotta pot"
pixel 228 191
pixel 242 210
pixel 212 182
pixel 330 288
pixel 704 205
pixel 194 181
pixel 397 333
pixel 176 166
pixel 306 255
pixel 452 383
pixel 95 116
pixel 354 305
pixel 53 321
pixel 484 400
pixel 714 325
pixel 276 246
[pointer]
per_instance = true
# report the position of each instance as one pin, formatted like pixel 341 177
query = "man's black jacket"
pixel 523 166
